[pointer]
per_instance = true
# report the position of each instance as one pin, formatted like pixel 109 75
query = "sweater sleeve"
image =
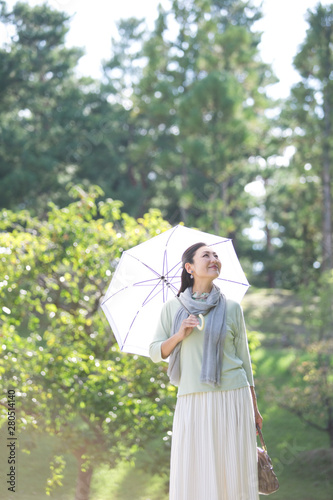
pixel 242 345
pixel 162 332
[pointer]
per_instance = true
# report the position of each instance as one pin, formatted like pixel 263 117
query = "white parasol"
pixel 150 274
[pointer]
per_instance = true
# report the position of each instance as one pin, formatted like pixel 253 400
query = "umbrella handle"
pixel 201 327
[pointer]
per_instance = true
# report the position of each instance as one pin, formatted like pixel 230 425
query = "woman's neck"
pixel 202 287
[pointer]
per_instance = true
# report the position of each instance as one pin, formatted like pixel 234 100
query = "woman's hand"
pixel 184 331
pixel 187 326
pixel 258 418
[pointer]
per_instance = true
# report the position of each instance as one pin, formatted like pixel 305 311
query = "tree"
pixel 172 126
pixel 199 100
pixel 36 88
pixel 309 116
pixel 288 212
pixel 70 379
pixel 55 128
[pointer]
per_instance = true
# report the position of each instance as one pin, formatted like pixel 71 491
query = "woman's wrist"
pixel 254 397
pixel 168 345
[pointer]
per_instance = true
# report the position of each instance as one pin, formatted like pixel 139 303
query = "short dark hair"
pixel 188 255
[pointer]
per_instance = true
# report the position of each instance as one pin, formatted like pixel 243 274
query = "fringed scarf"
pixel 214 335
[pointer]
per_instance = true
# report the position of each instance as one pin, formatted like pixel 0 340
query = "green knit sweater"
pixel 236 361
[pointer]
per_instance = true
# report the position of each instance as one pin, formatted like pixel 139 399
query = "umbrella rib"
pixel 146 301
pixel 165 266
pixel 220 242
pixel 124 341
pixel 144 264
pixel 165 261
pixel 231 281
pixel 143 304
pixel 165 272
pixel 116 293
pixel 151 295
pixel 138 283
pixel 150 282
pixel 170 278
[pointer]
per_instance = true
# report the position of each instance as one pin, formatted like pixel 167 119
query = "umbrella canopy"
pixel 150 274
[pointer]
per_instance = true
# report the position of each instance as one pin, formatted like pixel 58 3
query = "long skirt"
pixel 214 450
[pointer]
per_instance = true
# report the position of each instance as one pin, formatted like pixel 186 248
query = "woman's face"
pixel 206 264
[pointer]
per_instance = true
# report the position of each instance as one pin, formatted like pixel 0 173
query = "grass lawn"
pixel 124 482
pixel 33 470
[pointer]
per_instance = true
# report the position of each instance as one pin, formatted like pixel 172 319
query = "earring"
pixel 191 275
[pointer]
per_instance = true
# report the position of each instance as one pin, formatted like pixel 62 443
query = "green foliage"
pixel 57 467
pixel 59 354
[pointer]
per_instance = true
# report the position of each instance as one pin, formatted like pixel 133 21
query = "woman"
pixel 214 452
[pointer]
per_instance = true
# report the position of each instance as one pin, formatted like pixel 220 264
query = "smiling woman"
pixel 205 267
pixel 214 452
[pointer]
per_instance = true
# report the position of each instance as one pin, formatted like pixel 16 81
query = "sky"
pixel 94 24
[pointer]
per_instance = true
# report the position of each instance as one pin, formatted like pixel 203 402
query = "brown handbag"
pixel 268 482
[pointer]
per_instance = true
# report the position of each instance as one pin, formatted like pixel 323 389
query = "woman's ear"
pixel 188 267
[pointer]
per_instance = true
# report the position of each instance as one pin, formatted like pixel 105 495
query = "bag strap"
pixel 263 444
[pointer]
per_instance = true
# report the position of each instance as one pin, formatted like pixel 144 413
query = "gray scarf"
pixel 214 335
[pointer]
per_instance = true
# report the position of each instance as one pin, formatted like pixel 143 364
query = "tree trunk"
pixel 270 252
pixel 84 476
pixel 184 184
pixel 269 246
pixel 330 421
pixel 326 175
pixel 330 431
pixel 327 222
pixel 327 205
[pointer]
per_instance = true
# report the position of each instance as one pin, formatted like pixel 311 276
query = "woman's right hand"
pixel 187 326
pixel 184 331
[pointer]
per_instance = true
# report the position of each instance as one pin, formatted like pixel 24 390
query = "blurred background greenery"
pixel 177 130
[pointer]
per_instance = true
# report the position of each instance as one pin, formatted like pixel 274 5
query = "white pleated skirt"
pixel 214 449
